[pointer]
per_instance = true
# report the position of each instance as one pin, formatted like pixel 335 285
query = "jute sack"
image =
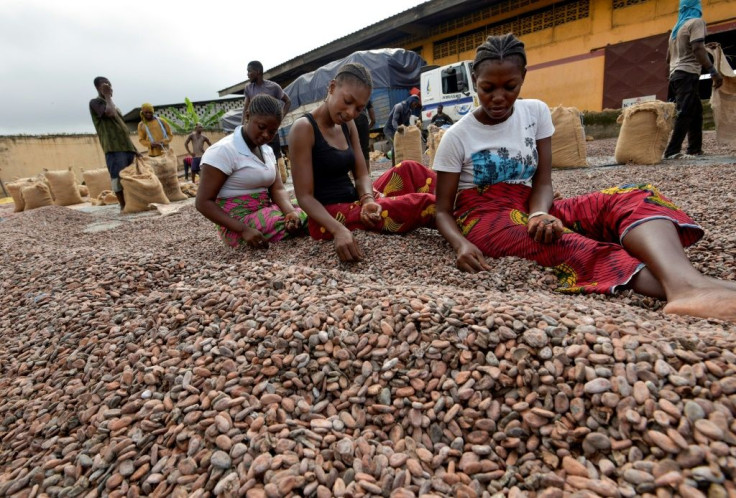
pixel 282 170
pixel 36 195
pixel 433 142
pixel 64 187
pixel 83 191
pixel 408 145
pixel 104 198
pixel 165 168
pixel 141 187
pixel 15 188
pixel 568 141
pixel 645 131
pixel 723 99
pixel 97 180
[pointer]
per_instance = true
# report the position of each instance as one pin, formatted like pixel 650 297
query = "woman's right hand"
pixel 470 259
pixel 347 247
pixel 254 238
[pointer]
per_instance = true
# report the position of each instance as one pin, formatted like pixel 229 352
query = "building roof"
pixel 134 114
pixel 383 34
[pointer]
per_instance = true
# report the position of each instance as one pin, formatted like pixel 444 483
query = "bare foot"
pixel 716 302
pixel 723 283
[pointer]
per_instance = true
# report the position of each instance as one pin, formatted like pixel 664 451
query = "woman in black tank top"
pixel 322 147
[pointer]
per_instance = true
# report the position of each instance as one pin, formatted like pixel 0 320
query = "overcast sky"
pixel 157 51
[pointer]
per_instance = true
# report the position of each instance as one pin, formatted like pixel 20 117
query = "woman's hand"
pixel 470 258
pixel 545 228
pixel 370 213
pixel 291 221
pixel 254 238
pixel 346 246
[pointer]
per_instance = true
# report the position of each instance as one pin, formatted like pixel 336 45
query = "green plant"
pixel 188 119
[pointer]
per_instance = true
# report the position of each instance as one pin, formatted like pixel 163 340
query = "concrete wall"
pixel 23 156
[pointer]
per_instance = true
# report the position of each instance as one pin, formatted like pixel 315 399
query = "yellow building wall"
pixel 561 70
pixel 24 156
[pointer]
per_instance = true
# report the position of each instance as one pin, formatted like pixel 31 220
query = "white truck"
pixel 450 86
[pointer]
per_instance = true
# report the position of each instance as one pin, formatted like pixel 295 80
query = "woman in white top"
pixel 239 188
pixel 495 198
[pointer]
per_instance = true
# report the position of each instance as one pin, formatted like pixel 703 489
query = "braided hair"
pixel 265 105
pixel 355 72
pixel 500 48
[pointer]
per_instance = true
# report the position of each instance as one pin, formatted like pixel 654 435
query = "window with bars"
pixel 620 4
pixel 537 21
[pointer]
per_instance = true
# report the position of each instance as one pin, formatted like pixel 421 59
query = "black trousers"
pixel 689 120
pixel 276 146
pixel 361 122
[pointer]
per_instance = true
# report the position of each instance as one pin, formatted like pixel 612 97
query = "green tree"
pixel 188 119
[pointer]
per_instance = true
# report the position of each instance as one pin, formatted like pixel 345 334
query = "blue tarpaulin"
pixel 389 68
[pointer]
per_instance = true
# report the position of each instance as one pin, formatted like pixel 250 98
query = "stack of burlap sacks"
pixel 146 182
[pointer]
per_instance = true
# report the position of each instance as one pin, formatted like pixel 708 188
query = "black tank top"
pixel 330 167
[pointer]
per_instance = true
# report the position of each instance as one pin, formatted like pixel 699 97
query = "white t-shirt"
pixel 246 174
pixel 504 152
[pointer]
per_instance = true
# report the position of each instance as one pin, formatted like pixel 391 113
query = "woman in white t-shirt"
pixel 495 198
pixel 239 189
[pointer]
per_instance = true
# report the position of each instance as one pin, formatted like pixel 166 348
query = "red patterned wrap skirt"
pixel 588 258
pixel 405 194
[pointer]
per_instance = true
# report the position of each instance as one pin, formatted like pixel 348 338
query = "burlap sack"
pixel 36 195
pixel 282 170
pixel 408 144
pixel 83 190
pixel 64 187
pixel 568 141
pixel 645 131
pixel 723 99
pixel 97 180
pixel 104 198
pixel 141 188
pixel 14 188
pixel 434 138
pixel 165 168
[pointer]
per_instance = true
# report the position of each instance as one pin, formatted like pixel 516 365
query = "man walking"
pixel 113 134
pixel 197 140
pixel 686 55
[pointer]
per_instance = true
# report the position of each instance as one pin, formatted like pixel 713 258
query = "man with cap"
pixel 153 132
pixel 686 56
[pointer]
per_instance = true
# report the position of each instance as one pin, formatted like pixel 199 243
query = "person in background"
pixel 441 119
pixel 258 86
pixel 113 134
pixel 364 122
pixel 153 132
pixel 240 190
pixel 325 147
pixel 686 57
pixel 197 139
pixel 495 198
pixel 400 115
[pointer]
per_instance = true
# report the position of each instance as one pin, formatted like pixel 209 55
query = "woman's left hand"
pixel 370 213
pixel 545 228
pixel 291 221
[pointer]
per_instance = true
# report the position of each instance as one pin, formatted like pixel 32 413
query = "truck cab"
pixel 450 86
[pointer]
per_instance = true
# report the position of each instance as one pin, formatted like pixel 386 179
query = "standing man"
pixel 256 86
pixel 686 56
pixel 364 122
pixel 197 140
pixel 398 116
pixel 153 132
pixel 441 119
pixel 113 134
